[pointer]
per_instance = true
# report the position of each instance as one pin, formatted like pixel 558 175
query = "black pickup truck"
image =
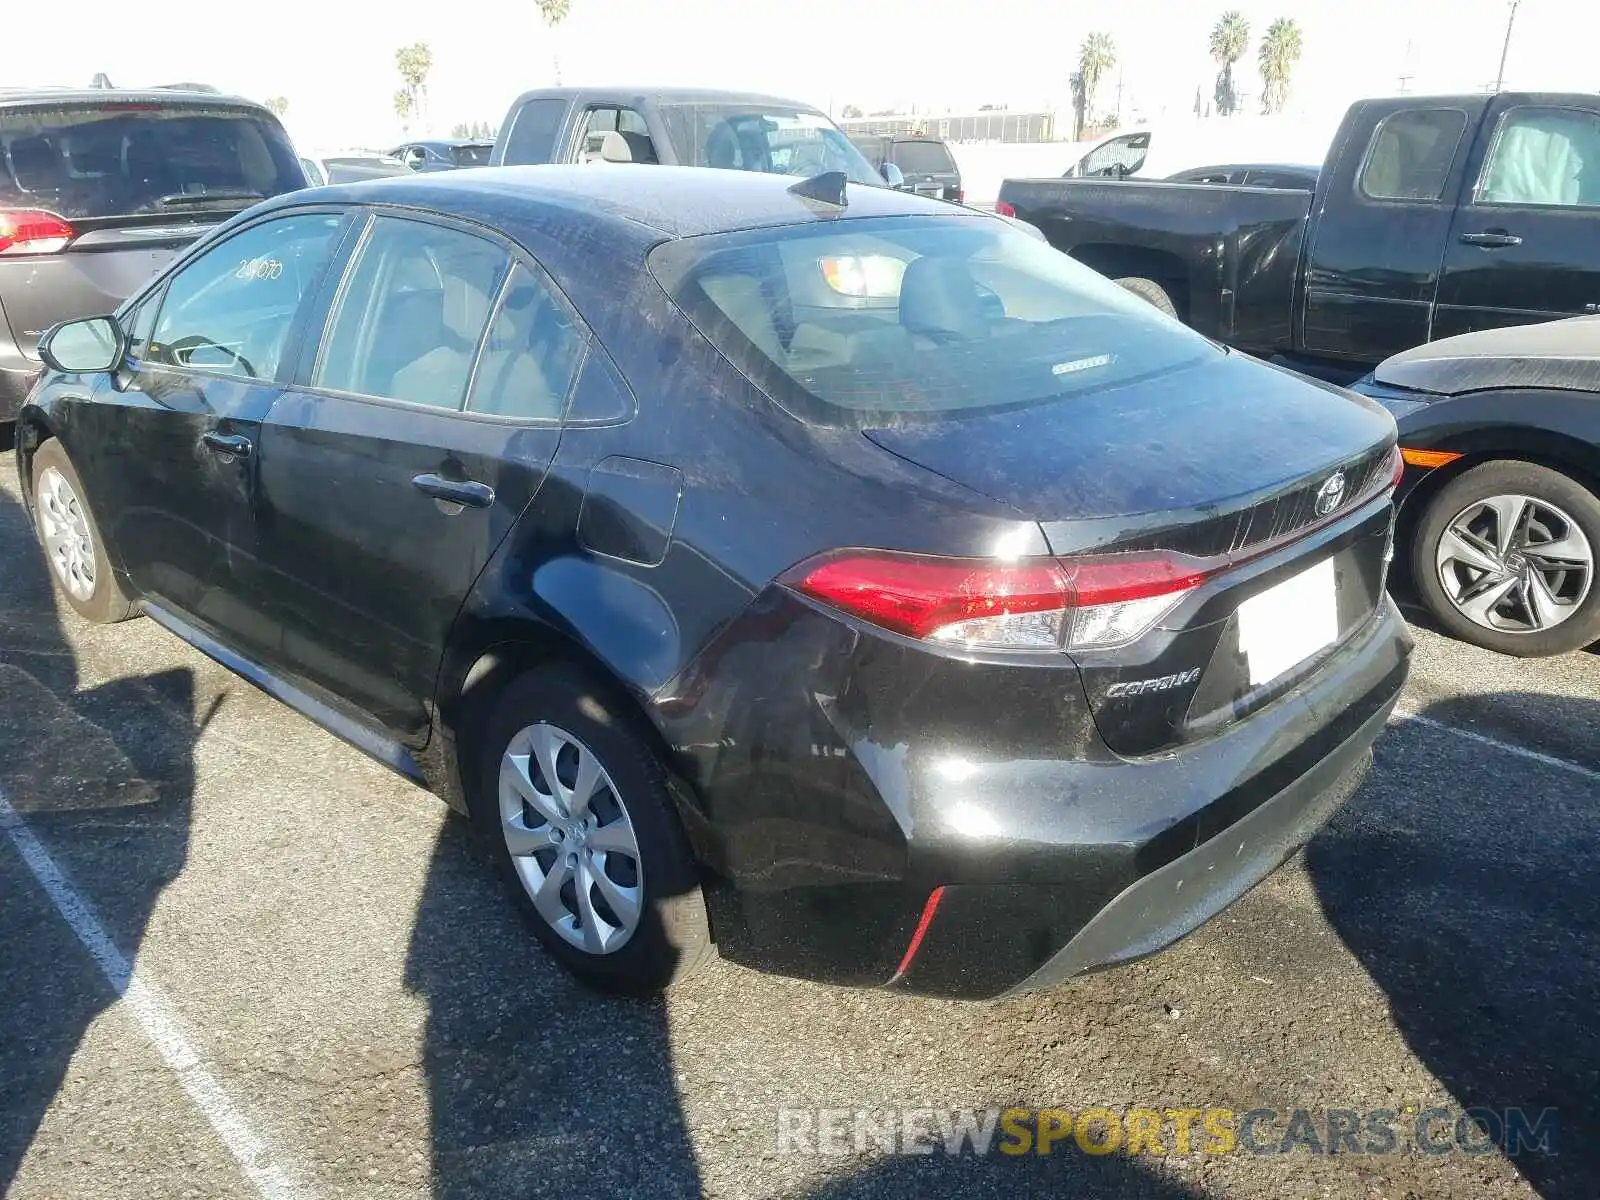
pixel 1431 217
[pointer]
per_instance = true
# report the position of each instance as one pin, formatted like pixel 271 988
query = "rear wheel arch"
pixel 1159 266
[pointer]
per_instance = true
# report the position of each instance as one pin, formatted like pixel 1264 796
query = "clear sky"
pixel 334 60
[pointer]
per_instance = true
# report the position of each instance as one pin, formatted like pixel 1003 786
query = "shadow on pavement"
pixel 101 773
pixel 536 1085
pixel 1060 1174
pixel 1470 902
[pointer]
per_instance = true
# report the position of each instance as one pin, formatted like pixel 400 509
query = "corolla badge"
pixel 1331 494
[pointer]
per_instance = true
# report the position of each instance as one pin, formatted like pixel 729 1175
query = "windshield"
pixel 773 140
pixel 473 156
pixel 120 158
pixel 888 320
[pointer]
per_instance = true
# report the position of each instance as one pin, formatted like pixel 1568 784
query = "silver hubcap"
pixel 1515 564
pixel 64 530
pixel 571 839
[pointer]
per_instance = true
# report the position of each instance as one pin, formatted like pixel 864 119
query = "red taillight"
pixel 32 231
pixel 1004 209
pixel 961 196
pixel 1034 604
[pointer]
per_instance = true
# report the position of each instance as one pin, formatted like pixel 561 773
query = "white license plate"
pixel 1289 622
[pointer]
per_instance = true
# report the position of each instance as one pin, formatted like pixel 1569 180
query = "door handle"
pixel 1491 239
pixel 232 445
pixel 466 492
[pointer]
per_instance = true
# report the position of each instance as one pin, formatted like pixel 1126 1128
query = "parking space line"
pixel 155 1015
pixel 1484 739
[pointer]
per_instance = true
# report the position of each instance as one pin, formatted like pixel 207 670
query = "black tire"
pixel 673 935
pixel 107 603
pixel 1149 291
pixel 1507 477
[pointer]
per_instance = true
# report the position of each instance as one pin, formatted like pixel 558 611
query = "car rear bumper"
pixel 16 381
pixel 829 819
pixel 1231 815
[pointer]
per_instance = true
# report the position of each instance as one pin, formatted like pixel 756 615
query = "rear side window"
pixel 1544 156
pixel 230 310
pixel 411 312
pixel 530 355
pixel 471 156
pixel 883 321
pixel 923 158
pixel 120 158
pixel 532 137
pixel 1410 155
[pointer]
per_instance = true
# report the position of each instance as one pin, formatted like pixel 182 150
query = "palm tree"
pixel 414 62
pixel 1230 37
pixel 553 12
pixel 402 108
pixel 278 105
pixel 1096 56
pixel 1280 50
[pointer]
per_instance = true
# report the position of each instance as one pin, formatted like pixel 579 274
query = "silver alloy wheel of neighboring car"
pixel 571 839
pixel 64 529
pixel 1515 564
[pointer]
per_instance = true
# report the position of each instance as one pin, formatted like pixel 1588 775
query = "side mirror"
pixel 893 175
pixel 92 344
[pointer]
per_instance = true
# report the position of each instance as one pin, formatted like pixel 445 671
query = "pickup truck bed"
pixel 1238 243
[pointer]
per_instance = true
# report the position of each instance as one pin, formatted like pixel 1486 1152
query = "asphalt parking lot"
pixel 330 996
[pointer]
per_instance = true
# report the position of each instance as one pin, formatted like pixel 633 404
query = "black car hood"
pixel 1130 466
pixel 1557 354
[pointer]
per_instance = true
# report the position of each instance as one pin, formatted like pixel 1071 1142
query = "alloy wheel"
pixel 64 530
pixel 1515 564
pixel 571 839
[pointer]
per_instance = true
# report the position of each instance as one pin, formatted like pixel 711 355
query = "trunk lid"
pixel 1206 459
pixel 1229 462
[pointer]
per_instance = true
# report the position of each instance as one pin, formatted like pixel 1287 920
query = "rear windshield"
pixel 923 158
pixel 888 320
pixel 777 141
pixel 117 159
pixel 473 156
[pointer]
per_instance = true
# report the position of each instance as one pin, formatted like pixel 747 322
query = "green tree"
pixel 278 105
pixel 1096 56
pixel 1279 52
pixel 1230 38
pixel 414 62
pixel 850 111
pixel 402 108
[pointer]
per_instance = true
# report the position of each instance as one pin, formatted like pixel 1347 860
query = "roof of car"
pixel 666 95
pixel 172 95
pixel 450 142
pixel 673 201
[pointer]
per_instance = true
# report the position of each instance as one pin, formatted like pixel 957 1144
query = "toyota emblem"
pixel 1331 494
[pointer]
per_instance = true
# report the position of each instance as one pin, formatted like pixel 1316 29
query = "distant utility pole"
pixel 1406 77
pixel 1505 48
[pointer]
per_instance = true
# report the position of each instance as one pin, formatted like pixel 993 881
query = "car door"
pixel 1525 245
pixel 422 426
pixel 177 426
pixel 1372 269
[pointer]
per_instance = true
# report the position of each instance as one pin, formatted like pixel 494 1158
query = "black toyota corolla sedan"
pixel 819 572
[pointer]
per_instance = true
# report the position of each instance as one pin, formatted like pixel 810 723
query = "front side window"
pixel 767 139
pixel 230 310
pixel 410 314
pixel 530 354
pixel 1119 157
pixel 1410 154
pixel 1544 156
pixel 888 320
